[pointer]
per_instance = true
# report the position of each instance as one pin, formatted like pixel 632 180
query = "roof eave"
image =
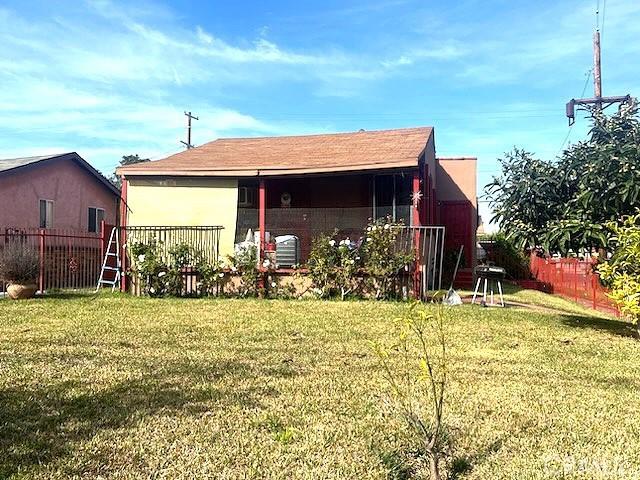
pixel 132 171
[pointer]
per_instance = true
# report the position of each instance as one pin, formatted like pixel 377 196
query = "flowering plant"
pixel 245 264
pixel 164 276
pixel 382 258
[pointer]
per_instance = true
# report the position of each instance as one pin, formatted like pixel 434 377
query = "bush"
pixel 19 263
pixel 160 278
pixel 333 265
pixel 245 264
pixel 622 272
pixel 383 261
pixel 505 254
pixel 342 267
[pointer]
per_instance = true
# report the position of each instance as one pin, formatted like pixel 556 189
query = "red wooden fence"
pixel 68 259
pixel 573 279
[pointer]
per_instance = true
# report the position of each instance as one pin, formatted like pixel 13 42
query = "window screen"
pixel 96 216
pixel 46 213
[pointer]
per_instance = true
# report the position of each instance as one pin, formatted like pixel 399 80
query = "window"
pixel 46 213
pixel 96 216
pixel 392 197
pixel 246 197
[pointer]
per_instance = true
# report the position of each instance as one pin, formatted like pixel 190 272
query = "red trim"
pixel 262 205
pixel 103 239
pixel 123 224
pixel 415 209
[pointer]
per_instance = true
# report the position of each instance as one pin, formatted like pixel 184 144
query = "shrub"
pixel 245 264
pixel 383 260
pixel 622 272
pixel 333 265
pixel 415 368
pixel 339 266
pixel 322 263
pixel 505 254
pixel 147 264
pixel 160 278
pixel 19 263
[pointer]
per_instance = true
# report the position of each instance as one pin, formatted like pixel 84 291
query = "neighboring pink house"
pixel 55 191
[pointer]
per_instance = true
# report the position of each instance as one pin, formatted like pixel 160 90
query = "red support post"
pixel 415 216
pixel 42 234
pixel 262 216
pixel 416 200
pixel 123 236
pixel 262 226
pixel 103 239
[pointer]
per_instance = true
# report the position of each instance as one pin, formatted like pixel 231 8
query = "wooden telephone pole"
pixel 598 100
pixel 189 118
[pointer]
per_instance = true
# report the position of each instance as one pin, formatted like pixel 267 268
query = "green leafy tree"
pixel 622 272
pixel 524 197
pixel 563 205
pixel 126 160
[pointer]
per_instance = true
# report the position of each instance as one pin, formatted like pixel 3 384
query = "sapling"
pixel 415 367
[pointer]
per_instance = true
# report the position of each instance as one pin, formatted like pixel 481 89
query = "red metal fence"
pixel 573 279
pixel 68 259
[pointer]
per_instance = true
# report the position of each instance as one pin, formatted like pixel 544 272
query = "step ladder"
pixel 114 240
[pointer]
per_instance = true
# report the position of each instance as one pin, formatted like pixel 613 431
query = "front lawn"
pixel 122 387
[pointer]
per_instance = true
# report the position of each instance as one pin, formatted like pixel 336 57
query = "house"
pixel 55 191
pixel 305 185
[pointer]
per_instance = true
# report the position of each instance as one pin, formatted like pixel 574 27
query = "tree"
pixel 622 271
pixel 126 160
pixel 416 369
pixel 564 205
pixel 524 197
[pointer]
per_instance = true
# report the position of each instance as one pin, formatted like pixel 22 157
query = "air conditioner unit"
pixel 287 250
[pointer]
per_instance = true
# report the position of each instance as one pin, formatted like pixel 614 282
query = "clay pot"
pixel 17 291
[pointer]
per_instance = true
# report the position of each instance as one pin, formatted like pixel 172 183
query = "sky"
pixel 108 78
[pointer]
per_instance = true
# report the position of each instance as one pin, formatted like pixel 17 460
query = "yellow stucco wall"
pixel 185 201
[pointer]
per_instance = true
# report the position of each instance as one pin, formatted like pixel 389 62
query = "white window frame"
pixel 97 225
pixel 48 219
pixel 246 196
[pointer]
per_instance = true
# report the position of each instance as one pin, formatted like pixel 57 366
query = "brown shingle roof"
pixel 364 150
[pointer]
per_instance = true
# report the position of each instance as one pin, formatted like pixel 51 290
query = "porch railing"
pixel 203 239
pixel 428 245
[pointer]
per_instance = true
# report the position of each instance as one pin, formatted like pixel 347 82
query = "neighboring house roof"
pixel 10 165
pixel 245 157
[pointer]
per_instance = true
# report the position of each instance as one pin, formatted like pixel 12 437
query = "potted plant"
pixel 19 266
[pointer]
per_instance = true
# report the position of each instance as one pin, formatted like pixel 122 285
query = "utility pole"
pixel 598 100
pixel 189 118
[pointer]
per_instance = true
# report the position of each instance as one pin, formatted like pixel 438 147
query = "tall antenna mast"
pixel 189 118
pixel 598 100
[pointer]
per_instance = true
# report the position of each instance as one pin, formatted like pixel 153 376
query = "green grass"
pixel 121 387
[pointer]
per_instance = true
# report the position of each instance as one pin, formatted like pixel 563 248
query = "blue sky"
pixel 108 78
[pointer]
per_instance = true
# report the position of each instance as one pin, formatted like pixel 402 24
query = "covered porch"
pixel 307 206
